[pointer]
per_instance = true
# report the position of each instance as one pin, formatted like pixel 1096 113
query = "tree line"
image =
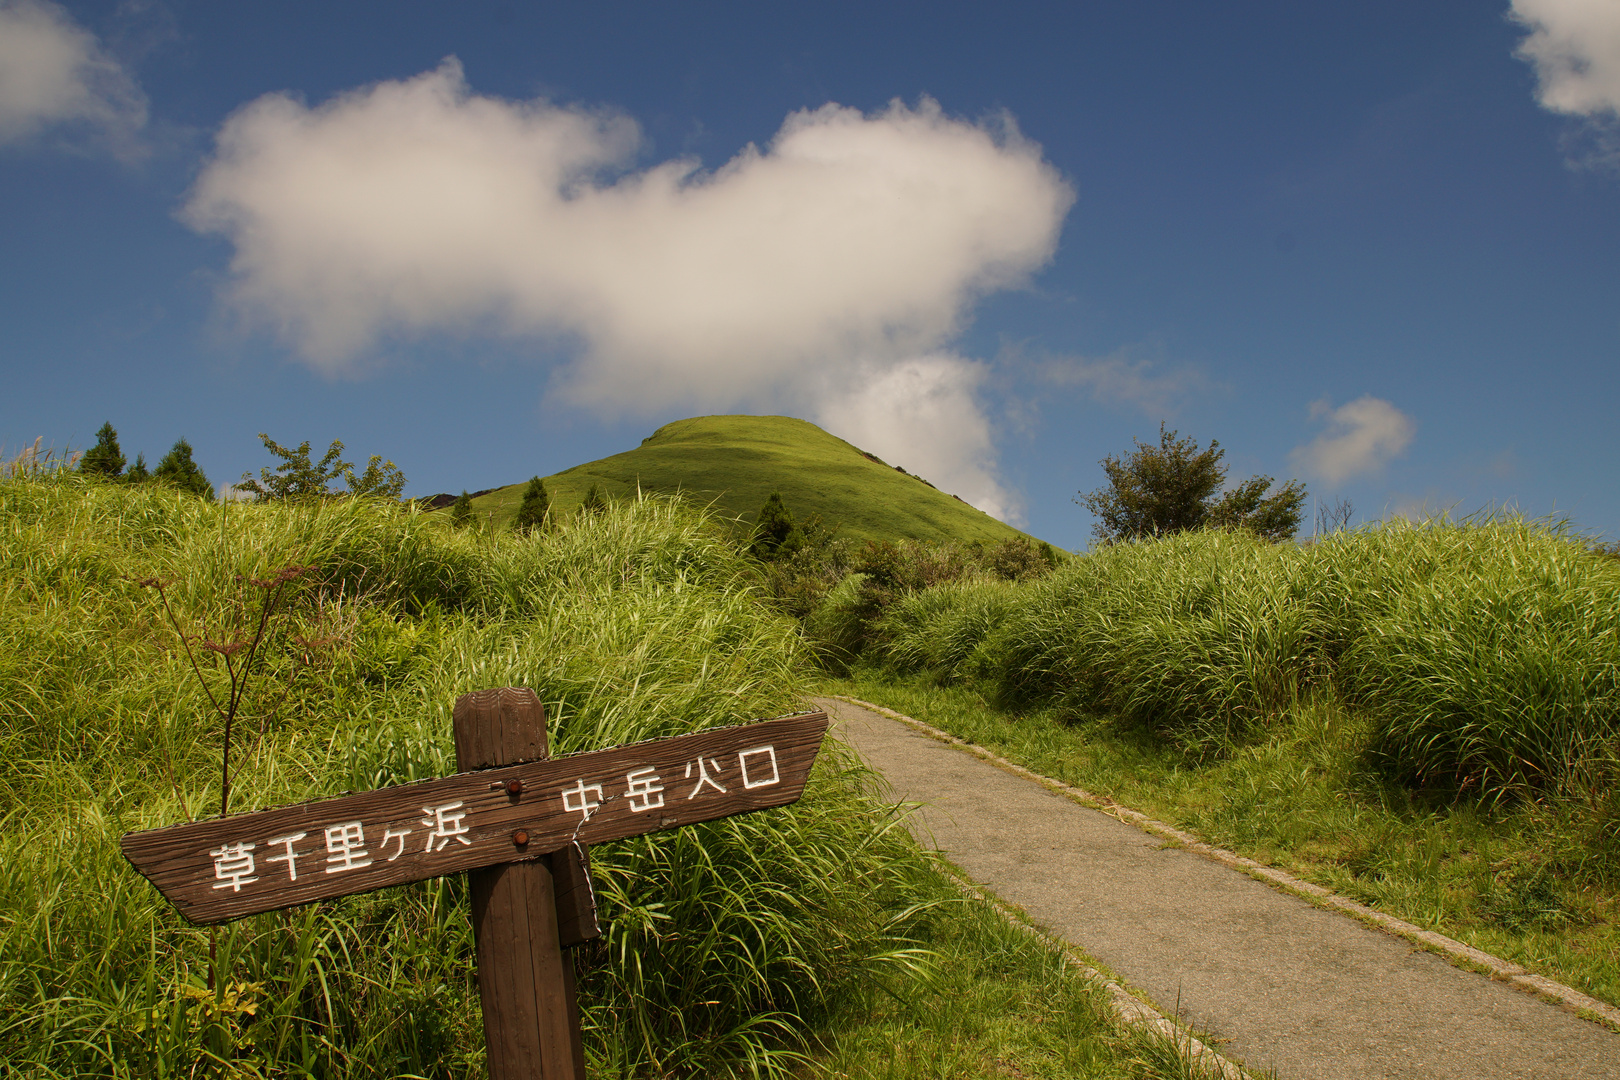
pixel 106 460
pixel 1156 490
pixel 295 477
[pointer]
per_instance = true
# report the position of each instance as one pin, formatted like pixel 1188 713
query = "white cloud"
pixel 1574 46
pixel 814 271
pixel 54 74
pixel 923 414
pixel 1361 437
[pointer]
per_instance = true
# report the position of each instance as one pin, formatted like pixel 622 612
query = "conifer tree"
pixel 104 458
pixel 776 534
pixel 531 515
pixel 178 469
pixel 138 473
pixel 461 512
pixel 594 502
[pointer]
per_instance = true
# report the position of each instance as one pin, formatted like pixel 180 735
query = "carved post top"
pixel 499 727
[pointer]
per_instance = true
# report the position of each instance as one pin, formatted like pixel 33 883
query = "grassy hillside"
pixel 735 462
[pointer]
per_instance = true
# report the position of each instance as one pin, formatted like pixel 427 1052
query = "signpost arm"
pixel 525 982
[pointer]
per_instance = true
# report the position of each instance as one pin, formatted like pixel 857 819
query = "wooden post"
pixel 525 981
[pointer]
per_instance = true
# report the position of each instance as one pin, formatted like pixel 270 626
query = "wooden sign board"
pixel 225 868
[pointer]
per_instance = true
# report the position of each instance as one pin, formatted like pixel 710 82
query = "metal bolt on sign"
pixel 516 821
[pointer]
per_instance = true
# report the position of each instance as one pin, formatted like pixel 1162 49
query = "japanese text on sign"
pixel 644 789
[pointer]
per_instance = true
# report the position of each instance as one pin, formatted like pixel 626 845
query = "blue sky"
pixel 1371 246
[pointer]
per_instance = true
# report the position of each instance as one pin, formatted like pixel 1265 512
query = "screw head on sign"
pixel 514 786
pixel 520 838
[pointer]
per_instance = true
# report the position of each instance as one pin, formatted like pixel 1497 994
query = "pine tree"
pixel 775 534
pixel 531 515
pixel 461 512
pixel 178 469
pixel 138 473
pixel 104 458
pixel 594 502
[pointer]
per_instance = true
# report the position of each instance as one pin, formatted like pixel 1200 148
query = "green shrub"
pixel 854 618
pixel 1203 636
pixel 1488 651
pixel 942 629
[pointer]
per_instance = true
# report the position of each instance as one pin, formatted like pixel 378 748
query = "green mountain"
pixel 735 462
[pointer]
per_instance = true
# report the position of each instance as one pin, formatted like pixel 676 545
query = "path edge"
pixel 1127 1008
pixel 1466 956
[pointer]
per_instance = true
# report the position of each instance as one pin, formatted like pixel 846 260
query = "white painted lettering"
pixel 396 834
pixel 291 858
pixel 578 800
pixel 759 780
pixel 233 866
pixel 345 847
pixel 644 785
pixel 446 823
pixel 704 777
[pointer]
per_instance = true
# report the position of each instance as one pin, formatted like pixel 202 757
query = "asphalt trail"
pixel 1276 982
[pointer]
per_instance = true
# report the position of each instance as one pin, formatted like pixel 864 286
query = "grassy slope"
pixel 735 462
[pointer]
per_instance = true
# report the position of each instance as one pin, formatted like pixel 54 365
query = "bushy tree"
pixel 1018 558
pixel 461 511
pixel 296 477
pixel 1273 517
pixel 532 511
pixel 594 502
pixel 299 478
pixel 177 468
pixel 381 480
pixel 776 534
pixel 104 458
pixel 1172 487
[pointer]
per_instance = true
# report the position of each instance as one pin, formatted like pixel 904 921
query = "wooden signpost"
pixel 517 822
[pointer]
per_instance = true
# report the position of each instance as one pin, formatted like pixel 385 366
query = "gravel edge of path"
pixel 1464 956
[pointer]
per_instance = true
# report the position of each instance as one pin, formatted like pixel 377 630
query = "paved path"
pixel 1277 982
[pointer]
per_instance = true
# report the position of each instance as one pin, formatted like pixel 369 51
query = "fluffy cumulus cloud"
pixel 825 273
pixel 923 414
pixel 55 75
pixel 1574 46
pixel 1360 437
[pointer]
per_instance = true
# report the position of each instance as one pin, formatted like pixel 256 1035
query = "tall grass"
pixel 1486 650
pixel 634 624
pixel 1201 636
